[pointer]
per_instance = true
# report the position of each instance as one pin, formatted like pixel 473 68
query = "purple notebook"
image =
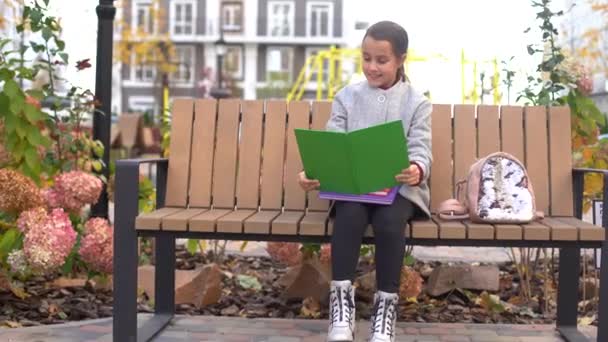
pixel 386 196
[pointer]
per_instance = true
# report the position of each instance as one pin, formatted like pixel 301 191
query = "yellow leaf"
pixel 586 320
pixel 18 291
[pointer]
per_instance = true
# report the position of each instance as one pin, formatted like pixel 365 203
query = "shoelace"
pixel 384 314
pixel 342 306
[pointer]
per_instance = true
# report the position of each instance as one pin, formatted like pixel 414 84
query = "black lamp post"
pixel 102 118
pixel 219 91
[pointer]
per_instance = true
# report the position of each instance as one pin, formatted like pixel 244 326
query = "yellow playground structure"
pixel 329 70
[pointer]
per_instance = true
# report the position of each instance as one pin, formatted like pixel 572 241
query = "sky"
pixel 485 29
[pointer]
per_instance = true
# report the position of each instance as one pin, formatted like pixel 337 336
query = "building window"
pixel 314 68
pixel 184 70
pixel 183 17
pixel 232 16
pixel 319 18
pixel 233 62
pixel 281 18
pixel 279 64
pixel 142 104
pixel 143 20
pixel 143 70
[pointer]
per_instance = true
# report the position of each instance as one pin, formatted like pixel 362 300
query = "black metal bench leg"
pixel 567 294
pixel 602 329
pixel 164 297
pixel 125 254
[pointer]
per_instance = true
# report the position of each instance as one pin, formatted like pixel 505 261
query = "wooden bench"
pixel 232 175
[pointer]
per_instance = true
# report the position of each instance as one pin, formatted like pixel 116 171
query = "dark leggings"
pixel 388 222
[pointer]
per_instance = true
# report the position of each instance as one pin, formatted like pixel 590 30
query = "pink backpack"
pixel 498 190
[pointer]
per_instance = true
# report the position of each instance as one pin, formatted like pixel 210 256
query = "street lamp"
pixel 103 93
pixel 219 91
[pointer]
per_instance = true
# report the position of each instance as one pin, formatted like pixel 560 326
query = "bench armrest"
pixel 578 178
pixel 126 195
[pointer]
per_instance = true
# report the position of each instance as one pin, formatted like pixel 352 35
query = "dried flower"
pixel 73 190
pixel 30 218
pixel 411 283
pixel 17 262
pixel 96 247
pixel 325 254
pixel 47 244
pixel 17 192
pixel 285 252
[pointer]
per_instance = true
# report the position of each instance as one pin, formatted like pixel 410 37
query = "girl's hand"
pixel 409 176
pixel 307 184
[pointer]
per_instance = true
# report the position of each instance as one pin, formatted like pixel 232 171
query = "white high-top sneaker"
pixel 384 317
pixel 341 312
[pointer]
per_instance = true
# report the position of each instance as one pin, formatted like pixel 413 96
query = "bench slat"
pixel 560 231
pixel 224 165
pixel 314 223
pixel 587 231
pixel 512 131
pixel 479 231
pixel 536 231
pixel 465 145
pixel 250 151
pixel 233 222
pixel 206 221
pixel 203 141
pixel 151 220
pixel 537 154
pixel 450 229
pixel 179 221
pixel 287 223
pixel 424 229
pixel 441 181
pixel 260 222
pixel 179 157
pixel 321 110
pixel 274 153
pixel 560 157
pixel 487 130
pixel 508 232
pixel 299 115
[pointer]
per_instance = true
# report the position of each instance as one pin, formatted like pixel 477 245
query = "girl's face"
pixel 380 64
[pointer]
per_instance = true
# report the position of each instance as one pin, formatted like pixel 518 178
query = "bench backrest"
pixel 243 154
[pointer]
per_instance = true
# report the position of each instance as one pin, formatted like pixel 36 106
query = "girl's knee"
pixel 393 228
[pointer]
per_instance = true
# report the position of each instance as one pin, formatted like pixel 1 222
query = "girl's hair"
pixel 394 34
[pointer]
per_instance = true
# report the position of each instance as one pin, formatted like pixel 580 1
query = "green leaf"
pixel 6 74
pixel 21 128
pixel 31 158
pixel 192 246
pixel 248 282
pixel 409 260
pixel 37 94
pixel 97 165
pixel 8 241
pixel 11 88
pixel 64 57
pixel 47 33
pixel 61 45
pixel 37 139
pixel 32 113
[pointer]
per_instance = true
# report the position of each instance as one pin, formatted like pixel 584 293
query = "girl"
pixel 385 95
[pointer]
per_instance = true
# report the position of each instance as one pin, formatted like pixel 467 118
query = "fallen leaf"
pixel 248 282
pixel 310 308
pixel 586 320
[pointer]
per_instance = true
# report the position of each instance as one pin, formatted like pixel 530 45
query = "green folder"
pixel 357 162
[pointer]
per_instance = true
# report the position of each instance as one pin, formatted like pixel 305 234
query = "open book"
pixel 385 196
pixel 355 163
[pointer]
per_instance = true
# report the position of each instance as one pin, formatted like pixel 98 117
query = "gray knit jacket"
pixel 359 106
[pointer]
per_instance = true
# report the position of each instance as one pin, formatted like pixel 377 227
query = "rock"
pixel 310 279
pixel 366 286
pixel 232 310
pixel 199 287
pixel 426 270
pixel 446 278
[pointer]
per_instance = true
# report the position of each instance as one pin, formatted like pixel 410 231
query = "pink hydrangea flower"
pixel 30 218
pixel 73 190
pixel 48 243
pixel 285 252
pixel 96 246
pixel 325 254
